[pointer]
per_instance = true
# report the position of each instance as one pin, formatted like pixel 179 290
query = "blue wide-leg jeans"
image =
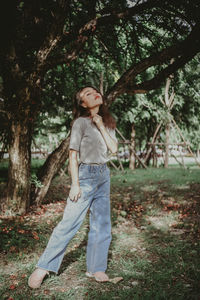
pixel 95 195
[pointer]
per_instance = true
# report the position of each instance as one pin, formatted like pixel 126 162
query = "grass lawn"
pixel 155 246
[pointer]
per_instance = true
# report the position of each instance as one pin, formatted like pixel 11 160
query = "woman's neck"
pixel 94 111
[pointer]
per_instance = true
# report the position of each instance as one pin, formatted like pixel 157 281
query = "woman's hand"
pixel 111 143
pixel 75 193
pixel 98 121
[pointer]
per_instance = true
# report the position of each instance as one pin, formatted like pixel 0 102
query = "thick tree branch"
pixel 137 8
pixel 156 82
pixel 55 32
pixel 140 8
pixel 183 51
pixel 77 46
pixel 80 35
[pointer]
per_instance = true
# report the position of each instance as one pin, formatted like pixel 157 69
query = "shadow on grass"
pixel 73 255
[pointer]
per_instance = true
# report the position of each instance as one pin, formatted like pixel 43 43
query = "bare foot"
pixel 36 278
pixel 101 276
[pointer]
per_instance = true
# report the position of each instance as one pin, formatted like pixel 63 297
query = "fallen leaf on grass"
pixel 12 287
pixel 35 235
pixel 116 279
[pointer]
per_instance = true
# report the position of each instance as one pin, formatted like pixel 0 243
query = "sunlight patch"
pixel 149 188
pixel 162 223
pixel 183 187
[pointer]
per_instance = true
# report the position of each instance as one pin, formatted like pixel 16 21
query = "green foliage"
pixel 34 180
pixel 109 55
pixel 3 170
pixel 187 112
pixel 126 41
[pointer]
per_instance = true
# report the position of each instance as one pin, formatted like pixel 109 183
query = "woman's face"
pixel 90 98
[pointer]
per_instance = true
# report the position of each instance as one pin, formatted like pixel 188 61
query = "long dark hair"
pixel 80 111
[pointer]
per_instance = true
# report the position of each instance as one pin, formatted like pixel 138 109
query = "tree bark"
pixel 167 135
pixel 18 190
pixel 51 166
pixel 155 160
pixel 167 127
pixel 132 155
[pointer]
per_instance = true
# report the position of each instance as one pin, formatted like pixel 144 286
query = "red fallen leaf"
pixel 10 298
pixel 12 287
pixel 182 216
pixel 35 235
pixel 6 229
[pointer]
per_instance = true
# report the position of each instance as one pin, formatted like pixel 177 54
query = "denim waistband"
pixel 92 164
pixel 93 167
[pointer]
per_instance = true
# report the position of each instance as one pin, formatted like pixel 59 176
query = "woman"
pixel 91 136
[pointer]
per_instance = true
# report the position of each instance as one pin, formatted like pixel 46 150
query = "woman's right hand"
pixel 74 193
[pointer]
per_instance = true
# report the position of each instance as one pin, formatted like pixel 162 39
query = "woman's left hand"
pixel 98 120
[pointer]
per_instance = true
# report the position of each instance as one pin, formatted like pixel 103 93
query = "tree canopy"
pixel 50 48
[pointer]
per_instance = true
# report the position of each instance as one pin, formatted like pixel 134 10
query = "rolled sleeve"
pixel 76 135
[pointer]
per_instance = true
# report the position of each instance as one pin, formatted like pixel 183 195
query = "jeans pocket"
pixel 84 175
pixel 87 188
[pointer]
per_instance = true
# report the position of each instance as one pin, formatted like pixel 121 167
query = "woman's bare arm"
pixel 111 144
pixel 75 191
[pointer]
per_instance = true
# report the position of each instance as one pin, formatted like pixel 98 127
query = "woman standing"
pixel 92 136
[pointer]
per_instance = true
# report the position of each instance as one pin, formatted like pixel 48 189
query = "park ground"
pixel 155 246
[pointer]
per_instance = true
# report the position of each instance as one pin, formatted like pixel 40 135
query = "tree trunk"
pixel 132 155
pixel 168 102
pixel 155 160
pixel 51 166
pixel 18 191
pixel 167 134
